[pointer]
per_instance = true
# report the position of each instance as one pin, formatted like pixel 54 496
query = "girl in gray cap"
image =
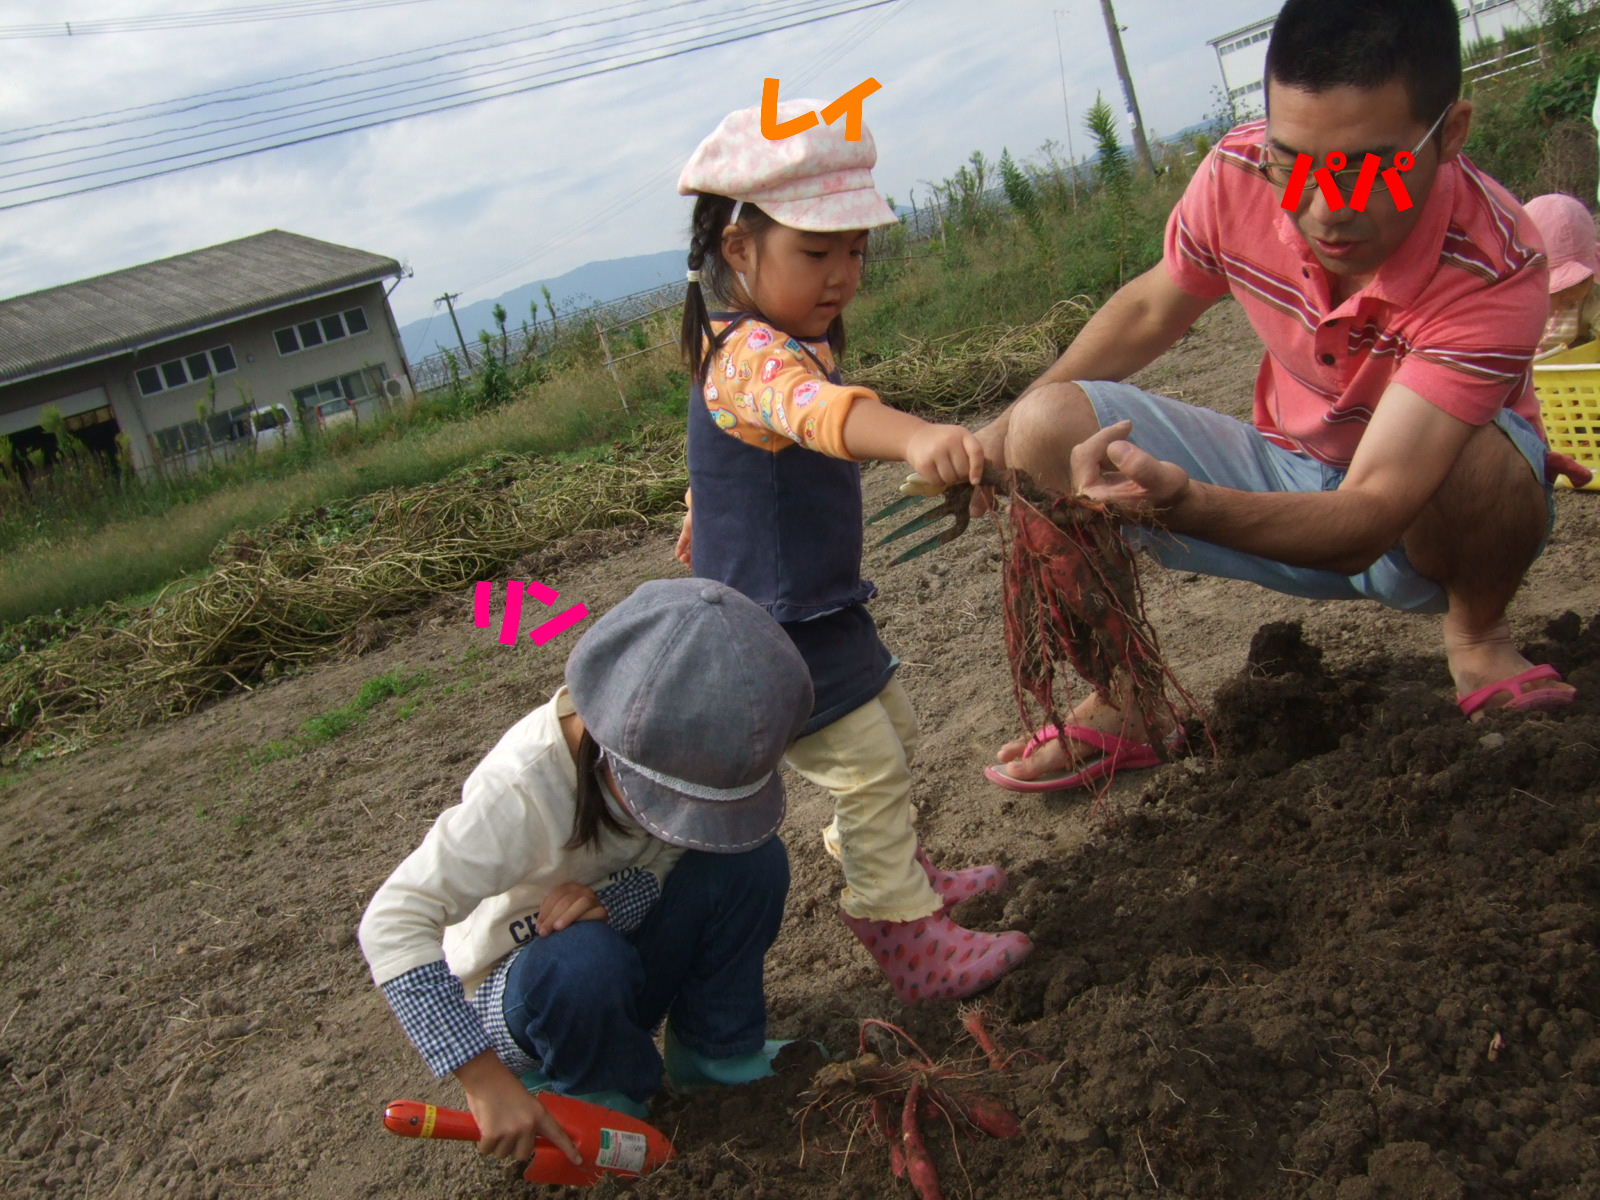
pixel 609 865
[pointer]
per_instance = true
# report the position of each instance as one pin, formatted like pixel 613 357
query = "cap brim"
pixel 861 208
pixel 1567 274
pixel 715 826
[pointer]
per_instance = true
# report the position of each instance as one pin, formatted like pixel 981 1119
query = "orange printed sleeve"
pixel 763 388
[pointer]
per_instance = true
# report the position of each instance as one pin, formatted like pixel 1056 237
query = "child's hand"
pixel 509 1117
pixel 684 550
pixel 568 904
pixel 946 453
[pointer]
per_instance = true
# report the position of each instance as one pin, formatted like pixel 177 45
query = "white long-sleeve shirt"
pixel 469 894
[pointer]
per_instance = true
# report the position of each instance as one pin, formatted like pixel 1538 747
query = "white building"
pixel 1242 53
pixel 181 355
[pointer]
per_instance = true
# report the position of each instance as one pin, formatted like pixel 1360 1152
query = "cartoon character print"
pixel 728 369
pixel 772 407
pixel 764 406
pixel 744 401
pixel 770 369
pixel 759 338
pixel 809 429
pixel 712 394
pixel 745 373
pixel 793 346
pixel 807 392
pixel 724 418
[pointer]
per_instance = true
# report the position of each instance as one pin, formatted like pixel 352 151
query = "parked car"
pixel 334 412
pixel 272 426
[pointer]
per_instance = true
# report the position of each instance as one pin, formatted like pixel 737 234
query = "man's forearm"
pixel 1343 531
pixel 1128 334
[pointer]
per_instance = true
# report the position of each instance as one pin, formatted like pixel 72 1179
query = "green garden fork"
pixel 955 501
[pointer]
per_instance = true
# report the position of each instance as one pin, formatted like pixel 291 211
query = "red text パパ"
pixel 1366 180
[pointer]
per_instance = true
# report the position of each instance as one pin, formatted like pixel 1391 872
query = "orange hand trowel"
pixel 611 1143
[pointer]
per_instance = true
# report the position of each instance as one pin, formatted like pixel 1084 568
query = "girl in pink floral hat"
pixel 775 438
pixel 1567 228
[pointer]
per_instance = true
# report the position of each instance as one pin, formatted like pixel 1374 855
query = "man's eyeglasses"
pixel 1280 174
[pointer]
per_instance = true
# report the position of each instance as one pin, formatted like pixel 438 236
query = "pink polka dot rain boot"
pixel 933 958
pixel 955 886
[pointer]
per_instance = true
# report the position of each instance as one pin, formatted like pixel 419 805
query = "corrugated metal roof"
pixel 118 313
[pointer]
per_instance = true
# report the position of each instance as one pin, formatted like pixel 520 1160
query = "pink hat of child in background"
pixel 1569 238
pixel 814 180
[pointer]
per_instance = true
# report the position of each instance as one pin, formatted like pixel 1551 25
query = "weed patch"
pixel 326 726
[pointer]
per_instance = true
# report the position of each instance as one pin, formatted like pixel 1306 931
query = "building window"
pixel 190 369
pixel 332 328
pixel 219 429
pixel 336 395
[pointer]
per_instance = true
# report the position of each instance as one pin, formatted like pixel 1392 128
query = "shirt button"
pixel 1328 360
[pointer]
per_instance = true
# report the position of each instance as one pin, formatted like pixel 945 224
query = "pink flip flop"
pixel 1118 754
pixel 1538 700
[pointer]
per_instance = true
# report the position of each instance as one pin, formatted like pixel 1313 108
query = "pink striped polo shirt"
pixel 1455 313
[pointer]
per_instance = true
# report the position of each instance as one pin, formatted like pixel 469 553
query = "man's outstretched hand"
pixel 1111 470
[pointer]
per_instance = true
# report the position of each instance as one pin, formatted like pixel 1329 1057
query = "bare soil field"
pixel 1351 956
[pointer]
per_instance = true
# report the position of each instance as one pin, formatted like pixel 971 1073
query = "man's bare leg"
pixel 1477 538
pixel 1045 426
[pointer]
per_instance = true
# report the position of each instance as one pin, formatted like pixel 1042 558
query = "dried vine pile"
pixel 962 372
pixel 303 586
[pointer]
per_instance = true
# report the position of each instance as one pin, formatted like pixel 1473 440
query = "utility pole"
pixel 447 300
pixel 1072 158
pixel 1114 32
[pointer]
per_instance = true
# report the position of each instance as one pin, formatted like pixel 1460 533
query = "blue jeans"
pixel 1219 449
pixel 586 1001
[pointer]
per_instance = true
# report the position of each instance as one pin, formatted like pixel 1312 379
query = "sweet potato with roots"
pixel 900 1092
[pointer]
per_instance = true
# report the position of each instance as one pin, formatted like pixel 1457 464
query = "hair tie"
pixel 692 276
pixel 738 208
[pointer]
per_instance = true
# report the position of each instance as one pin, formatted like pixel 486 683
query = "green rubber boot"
pixel 537 1081
pixel 689 1071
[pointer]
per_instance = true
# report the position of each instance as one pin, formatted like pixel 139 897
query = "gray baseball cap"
pixel 693 692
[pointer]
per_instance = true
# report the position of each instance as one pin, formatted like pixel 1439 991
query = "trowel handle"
pixel 412 1118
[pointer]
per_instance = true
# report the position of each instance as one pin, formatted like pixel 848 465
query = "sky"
pixel 483 198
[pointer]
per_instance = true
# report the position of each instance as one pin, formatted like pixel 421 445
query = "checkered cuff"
pixel 432 1008
pixel 629 897
pixel 489 1001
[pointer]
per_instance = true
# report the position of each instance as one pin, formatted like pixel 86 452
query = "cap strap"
pixel 698 790
pixel 737 209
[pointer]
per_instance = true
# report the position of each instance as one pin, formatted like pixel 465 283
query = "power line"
pixel 199 100
pixel 461 100
pixel 161 138
pixel 196 20
pixel 868 26
pixel 334 120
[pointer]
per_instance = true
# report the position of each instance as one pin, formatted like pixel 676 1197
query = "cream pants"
pixel 864 759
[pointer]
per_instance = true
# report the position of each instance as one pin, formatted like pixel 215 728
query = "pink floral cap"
pixel 1569 239
pixel 814 180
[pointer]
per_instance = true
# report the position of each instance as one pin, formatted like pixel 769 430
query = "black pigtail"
pixel 711 215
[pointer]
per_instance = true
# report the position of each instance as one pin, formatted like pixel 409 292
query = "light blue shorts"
pixel 1227 452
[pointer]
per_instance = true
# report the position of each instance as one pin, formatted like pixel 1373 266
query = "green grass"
pixel 71 567
pixel 324 727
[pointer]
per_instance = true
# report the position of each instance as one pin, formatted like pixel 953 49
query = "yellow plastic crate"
pixel 1568 384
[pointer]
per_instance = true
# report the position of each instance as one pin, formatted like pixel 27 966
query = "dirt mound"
pixel 1353 957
